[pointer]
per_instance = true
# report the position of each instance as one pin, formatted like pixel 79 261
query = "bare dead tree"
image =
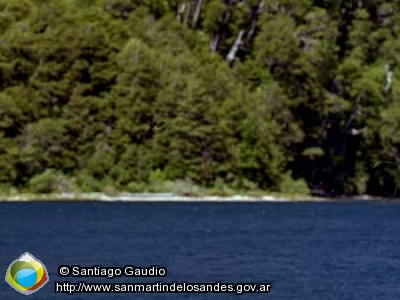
pixel 180 11
pixel 389 75
pixel 235 47
pixel 188 12
pixel 197 13
pixel 255 13
pixel 219 36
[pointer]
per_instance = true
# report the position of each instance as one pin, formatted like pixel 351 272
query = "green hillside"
pixel 253 94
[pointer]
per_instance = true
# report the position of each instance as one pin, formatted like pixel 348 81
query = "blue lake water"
pixel 310 251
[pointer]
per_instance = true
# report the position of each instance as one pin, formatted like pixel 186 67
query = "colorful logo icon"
pixel 27 274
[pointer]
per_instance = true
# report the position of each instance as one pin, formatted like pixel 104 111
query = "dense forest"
pixel 276 95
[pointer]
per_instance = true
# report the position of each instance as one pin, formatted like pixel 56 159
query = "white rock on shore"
pixel 137 197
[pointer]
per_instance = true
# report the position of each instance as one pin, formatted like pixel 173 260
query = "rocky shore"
pixel 140 197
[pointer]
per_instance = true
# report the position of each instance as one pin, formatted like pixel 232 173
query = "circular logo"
pixel 26 274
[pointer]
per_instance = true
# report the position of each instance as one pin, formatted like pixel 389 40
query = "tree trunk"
pixel 187 15
pixel 197 13
pixel 180 11
pixel 232 53
pixel 219 36
pixel 255 13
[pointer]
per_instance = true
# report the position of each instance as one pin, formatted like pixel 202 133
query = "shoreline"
pixel 171 197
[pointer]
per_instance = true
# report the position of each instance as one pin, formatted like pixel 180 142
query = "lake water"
pixel 308 251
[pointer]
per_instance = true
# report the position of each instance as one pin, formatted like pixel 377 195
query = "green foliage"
pixel 51 181
pixel 138 95
pixel 313 152
pixel 292 186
